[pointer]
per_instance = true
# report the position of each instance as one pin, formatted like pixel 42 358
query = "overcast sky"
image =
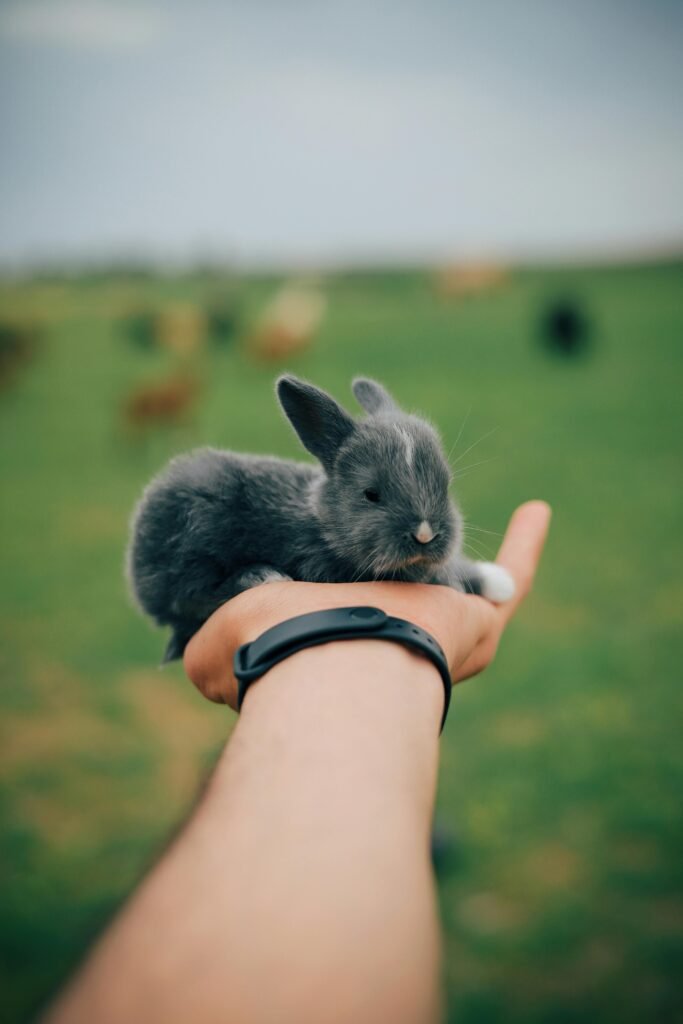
pixel 271 130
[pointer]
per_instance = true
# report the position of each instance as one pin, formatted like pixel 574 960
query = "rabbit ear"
pixel 319 421
pixel 372 396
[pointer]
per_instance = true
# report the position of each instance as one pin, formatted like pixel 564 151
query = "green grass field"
pixel 562 768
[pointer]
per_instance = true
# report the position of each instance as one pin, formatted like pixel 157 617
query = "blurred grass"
pixel 561 771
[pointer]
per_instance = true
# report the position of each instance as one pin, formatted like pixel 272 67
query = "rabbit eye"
pixel 371 495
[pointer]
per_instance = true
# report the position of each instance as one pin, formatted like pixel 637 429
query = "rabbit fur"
pixel 215 523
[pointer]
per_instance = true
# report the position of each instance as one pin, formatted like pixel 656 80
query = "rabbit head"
pixel 383 501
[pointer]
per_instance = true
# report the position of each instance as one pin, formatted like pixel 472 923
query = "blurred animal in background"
pixel 140 328
pixel 167 402
pixel 18 346
pixel 181 329
pixel 289 324
pixel 461 281
pixel 565 328
pixel 222 320
pixel 184 329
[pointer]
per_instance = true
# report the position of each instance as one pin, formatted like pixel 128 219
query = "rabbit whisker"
pixel 474 445
pixel 480 529
pixel 462 427
pixel 466 469
pixel 365 566
pixel 481 555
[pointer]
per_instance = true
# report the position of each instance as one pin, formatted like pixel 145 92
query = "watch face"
pixel 372 616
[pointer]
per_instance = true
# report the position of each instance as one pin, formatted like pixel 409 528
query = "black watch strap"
pixel 254 659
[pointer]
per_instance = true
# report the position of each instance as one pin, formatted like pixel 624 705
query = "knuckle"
pixel 490 650
pixel 193 665
pixel 189 664
pixel 214 694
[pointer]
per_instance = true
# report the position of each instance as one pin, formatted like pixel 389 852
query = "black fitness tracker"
pixel 254 659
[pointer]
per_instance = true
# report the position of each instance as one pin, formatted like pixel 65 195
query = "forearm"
pixel 301 890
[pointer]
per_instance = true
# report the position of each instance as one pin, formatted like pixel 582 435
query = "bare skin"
pixel 301 889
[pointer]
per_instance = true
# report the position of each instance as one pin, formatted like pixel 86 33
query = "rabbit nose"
pixel 424 533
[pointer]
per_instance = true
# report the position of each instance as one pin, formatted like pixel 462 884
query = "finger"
pixel 472 621
pixel 481 656
pixel 472 666
pixel 521 549
pixel 208 657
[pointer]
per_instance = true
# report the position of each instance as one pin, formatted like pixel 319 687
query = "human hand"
pixel 468 628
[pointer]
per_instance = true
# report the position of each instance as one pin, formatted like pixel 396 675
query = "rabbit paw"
pixel 259 574
pixel 496 582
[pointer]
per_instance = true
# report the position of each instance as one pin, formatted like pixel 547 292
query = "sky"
pixel 311 132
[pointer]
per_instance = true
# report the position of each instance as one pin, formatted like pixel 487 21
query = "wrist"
pixel 361 710
pixel 313 629
pixel 208 659
pixel 377 680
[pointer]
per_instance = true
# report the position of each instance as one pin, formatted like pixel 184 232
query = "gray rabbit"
pixel 215 523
